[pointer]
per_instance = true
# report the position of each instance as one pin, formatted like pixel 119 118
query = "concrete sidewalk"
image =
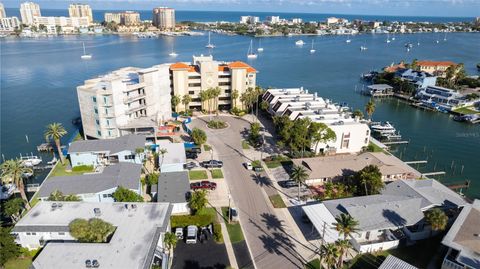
pixel 226 240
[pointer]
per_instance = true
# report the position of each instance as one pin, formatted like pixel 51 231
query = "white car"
pixel 192 232
pixel 179 233
pixel 248 166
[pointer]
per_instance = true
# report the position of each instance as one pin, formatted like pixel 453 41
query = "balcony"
pixel 137 108
pixel 134 86
pixel 132 98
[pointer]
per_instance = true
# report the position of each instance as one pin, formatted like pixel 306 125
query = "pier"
pixel 416 162
pixel 33 187
pixel 434 173
pixel 396 142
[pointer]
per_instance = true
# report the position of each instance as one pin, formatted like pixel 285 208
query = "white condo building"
pixel 2 11
pixel 352 133
pixel 80 10
pixel 164 18
pixel 75 22
pixel 28 11
pixel 9 24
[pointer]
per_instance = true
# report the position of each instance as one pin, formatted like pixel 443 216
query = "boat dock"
pixel 416 162
pixel 47 147
pixel 396 142
pixel 434 173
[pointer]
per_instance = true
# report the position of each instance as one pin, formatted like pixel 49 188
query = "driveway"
pixel 207 255
pixel 268 237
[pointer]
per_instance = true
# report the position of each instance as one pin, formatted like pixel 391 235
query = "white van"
pixel 192 231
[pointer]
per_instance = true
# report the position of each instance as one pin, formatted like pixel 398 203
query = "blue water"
pixel 39 79
pixel 234 16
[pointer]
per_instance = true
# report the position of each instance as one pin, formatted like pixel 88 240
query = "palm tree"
pixel 342 245
pixel 234 96
pixel 437 219
pixel 299 174
pixel 186 100
pixel 175 101
pixel 370 108
pixel 203 98
pixel 14 170
pixel 162 152
pixel 330 253
pixel 170 240
pixel 56 131
pixel 346 225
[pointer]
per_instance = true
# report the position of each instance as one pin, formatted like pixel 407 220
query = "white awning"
pixel 320 216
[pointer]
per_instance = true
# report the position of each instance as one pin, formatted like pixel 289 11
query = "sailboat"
pixel 388 38
pixel 173 53
pixel 250 54
pixel 363 48
pixel 259 49
pixel 445 37
pixel 393 37
pixel 348 40
pixel 209 45
pixel 312 50
pixel 85 56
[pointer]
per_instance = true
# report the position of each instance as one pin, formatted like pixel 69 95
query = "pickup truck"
pixel 212 164
pixel 203 185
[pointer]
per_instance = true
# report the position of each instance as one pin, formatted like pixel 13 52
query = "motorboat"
pixel 299 43
pixel 383 128
pixel 30 161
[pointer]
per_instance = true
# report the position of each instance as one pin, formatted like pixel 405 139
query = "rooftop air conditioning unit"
pixel 97 211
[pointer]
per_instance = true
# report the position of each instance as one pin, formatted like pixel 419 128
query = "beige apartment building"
pixel 124 18
pixel 28 11
pixel 204 73
pixel 80 10
pixel 164 18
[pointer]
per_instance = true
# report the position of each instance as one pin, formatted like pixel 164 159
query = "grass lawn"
pixel 217 173
pixel 374 148
pixel 207 147
pixel 60 170
pixel 277 201
pixel 197 174
pixel 418 255
pixel 313 264
pixel 19 263
pixel 202 218
pixel 234 229
pixel 245 145
pixel 467 110
pixel 277 161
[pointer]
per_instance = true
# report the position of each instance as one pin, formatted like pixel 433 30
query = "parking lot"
pixel 280 175
pixel 207 255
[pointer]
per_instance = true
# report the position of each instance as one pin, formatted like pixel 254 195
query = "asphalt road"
pixel 269 239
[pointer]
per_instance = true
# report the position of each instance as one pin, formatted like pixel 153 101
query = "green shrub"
pixel 217 124
pixel 185 220
pixel 217 233
pixel 256 163
pixel 83 168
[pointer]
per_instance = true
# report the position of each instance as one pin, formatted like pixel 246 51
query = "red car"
pixel 203 185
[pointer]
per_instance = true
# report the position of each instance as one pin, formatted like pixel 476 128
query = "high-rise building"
pixel 9 24
pixel 134 100
pixel 2 11
pixel 28 11
pixel 80 10
pixel 115 17
pixel 124 18
pixel 164 18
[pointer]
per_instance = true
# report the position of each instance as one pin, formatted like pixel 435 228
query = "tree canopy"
pixel 8 247
pixel 437 219
pixel 199 136
pixel 13 207
pixel 125 195
pixel 59 196
pixel 94 230
pixel 369 181
pixel 198 201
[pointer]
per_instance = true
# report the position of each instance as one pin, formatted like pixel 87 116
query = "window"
pixel 194 84
pixel 61 233
pixel 191 92
pixel 34 233
pixel 130 157
pixel 28 233
pixel 99 133
pixel 94 99
pixel 224 83
pixel 224 76
pixel 97 122
pixel 107 195
pixel 366 140
pixel 108 122
pixel 96 111
pixel 368 132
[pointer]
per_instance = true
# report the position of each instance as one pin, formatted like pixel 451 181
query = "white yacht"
pixel 85 56
pixel 363 48
pixel 209 45
pixel 383 128
pixel 312 50
pixel 251 54
pixel 30 161
pixel 388 38
pixel 300 43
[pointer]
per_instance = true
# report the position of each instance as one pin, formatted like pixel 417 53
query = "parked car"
pixel 190 165
pixel 233 215
pixel 191 155
pixel 212 164
pixel 197 150
pixel 179 233
pixel 248 166
pixel 203 185
pixel 288 184
pixel 192 231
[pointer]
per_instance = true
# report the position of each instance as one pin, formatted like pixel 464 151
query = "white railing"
pixel 447 264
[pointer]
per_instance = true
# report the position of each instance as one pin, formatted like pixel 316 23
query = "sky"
pixel 445 8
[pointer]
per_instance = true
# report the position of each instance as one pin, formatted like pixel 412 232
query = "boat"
pixel 259 49
pixel 312 50
pixel 85 56
pixel 6 191
pixel 383 128
pixel 388 38
pixel 445 37
pixel 363 48
pixel 31 160
pixel 348 40
pixel 173 54
pixel 209 45
pixel 299 43
pixel 53 161
pixel 250 54
pixel 393 38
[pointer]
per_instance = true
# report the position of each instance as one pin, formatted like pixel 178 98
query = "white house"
pixel 173 188
pixel 137 241
pixel 107 151
pixel 175 157
pixel 96 187
pixel 385 219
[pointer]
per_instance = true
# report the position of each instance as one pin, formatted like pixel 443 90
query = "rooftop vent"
pixel 95 264
pixel 54 206
pixel 88 263
pixel 97 211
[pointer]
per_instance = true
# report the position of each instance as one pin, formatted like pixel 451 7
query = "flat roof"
pixel 172 187
pixel 131 246
pixel 175 153
pixel 464 235
pixel 121 174
pixel 392 262
pixel 380 87
pixel 127 142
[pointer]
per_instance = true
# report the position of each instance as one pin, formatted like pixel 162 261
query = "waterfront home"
pixel 352 134
pixel 379 90
pixel 95 187
pixel 336 168
pixel 175 157
pixel 137 241
pixel 386 219
pixel 436 68
pixel 419 79
pixel 173 188
pixel 443 98
pixel 394 67
pixel 463 240
pixel 107 151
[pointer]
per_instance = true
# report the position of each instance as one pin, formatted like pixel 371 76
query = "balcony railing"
pixel 133 98
pixel 137 108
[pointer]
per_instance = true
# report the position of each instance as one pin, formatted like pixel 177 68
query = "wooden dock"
pixel 416 162
pixel 434 173
pixel 396 142
pixel 462 185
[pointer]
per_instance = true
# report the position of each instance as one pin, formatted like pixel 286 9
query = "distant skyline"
pixel 444 8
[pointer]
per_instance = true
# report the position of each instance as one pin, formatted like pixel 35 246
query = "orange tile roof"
pixel 435 63
pixel 223 68
pixel 179 65
pixel 239 64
